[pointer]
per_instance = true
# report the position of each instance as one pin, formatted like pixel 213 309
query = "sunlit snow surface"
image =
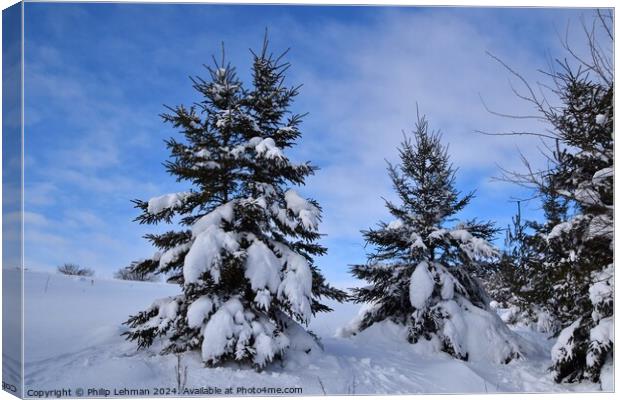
pixel 72 340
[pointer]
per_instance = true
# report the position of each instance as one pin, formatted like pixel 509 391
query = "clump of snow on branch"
pixel 421 286
pixel 233 329
pixel 171 255
pixel 267 148
pixel 264 147
pixel 198 311
pixel 563 349
pixel 167 201
pixel 307 212
pixel 601 175
pixel 210 240
pixel 396 224
pixel 474 247
pixel 296 287
pixel 262 267
pixel 354 326
pixel 167 309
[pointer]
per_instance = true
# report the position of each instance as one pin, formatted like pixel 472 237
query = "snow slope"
pixel 72 339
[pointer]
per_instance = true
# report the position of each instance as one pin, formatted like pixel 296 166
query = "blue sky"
pixel 11 139
pixel 97 76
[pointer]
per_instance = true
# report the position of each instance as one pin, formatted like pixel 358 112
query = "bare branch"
pixel 515 133
pixel 604 22
pixel 532 97
pixel 484 104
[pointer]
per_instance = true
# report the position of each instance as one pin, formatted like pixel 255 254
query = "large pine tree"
pixel 423 271
pixel 244 254
pixel 582 273
pixel 573 277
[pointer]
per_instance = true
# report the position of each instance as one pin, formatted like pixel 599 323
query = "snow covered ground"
pixel 72 340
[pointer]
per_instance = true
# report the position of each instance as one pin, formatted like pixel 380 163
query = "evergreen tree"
pixel 502 282
pixel 583 275
pixel 521 280
pixel 245 256
pixel 539 268
pixel 423 272
pixel 575 277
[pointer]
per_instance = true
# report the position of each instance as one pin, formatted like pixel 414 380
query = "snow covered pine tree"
pixel 576 277
pixel 422 274
pixel 245 259
pixel 583 277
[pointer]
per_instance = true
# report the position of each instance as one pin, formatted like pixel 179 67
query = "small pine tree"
pixel 502 282
pixel 521 280
pixel 423 273
pixel 245 258
pixel 533 290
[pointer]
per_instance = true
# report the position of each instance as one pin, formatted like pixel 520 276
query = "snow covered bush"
pixel 423 272
pixel 244 258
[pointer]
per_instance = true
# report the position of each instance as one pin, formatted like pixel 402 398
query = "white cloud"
pixel 85 219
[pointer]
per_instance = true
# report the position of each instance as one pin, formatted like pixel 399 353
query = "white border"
pixel 437 3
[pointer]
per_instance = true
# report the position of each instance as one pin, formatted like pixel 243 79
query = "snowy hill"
pixel 72 339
